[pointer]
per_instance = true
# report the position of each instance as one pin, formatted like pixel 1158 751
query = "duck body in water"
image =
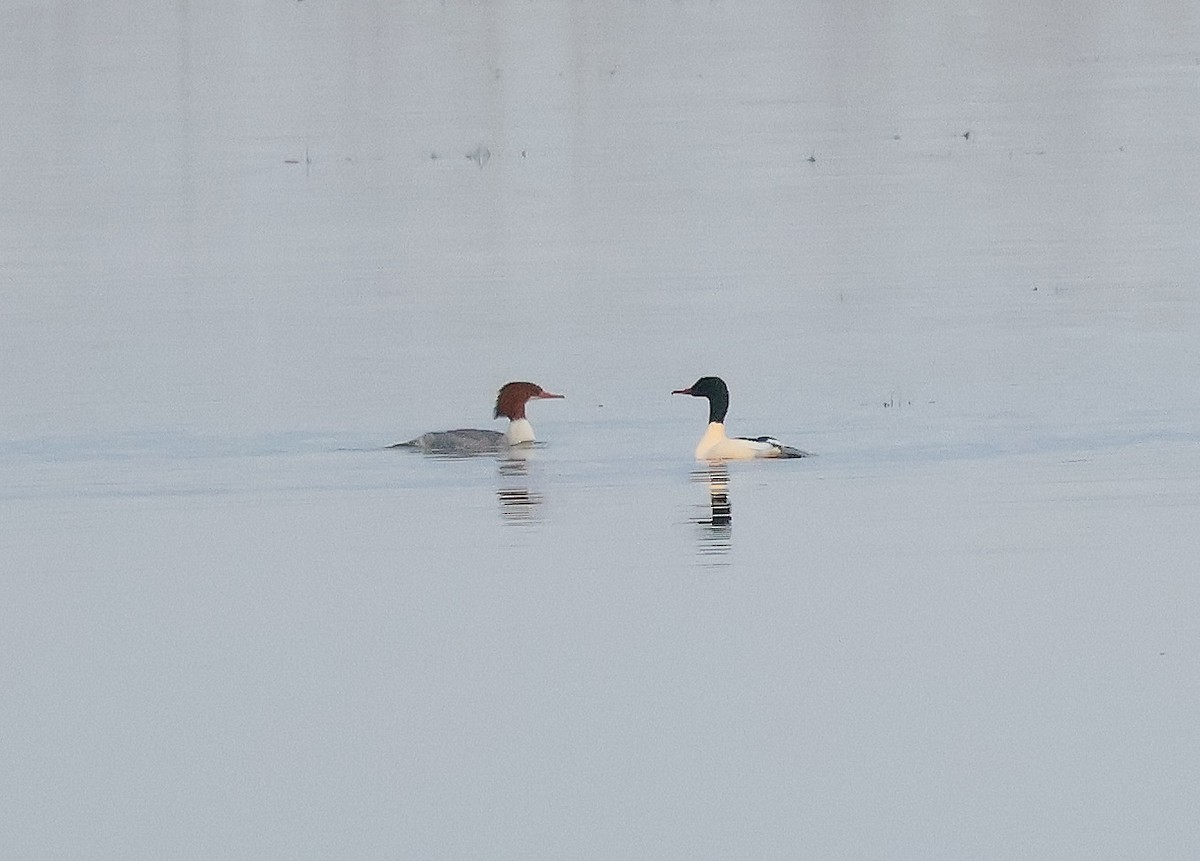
pixel 510 404
pixel 715 444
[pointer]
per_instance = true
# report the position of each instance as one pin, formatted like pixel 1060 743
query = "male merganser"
pixel 510 404
pixel 714 445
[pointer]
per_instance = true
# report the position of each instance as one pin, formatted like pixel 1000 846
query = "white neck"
pixel 714 435
pixel 519 431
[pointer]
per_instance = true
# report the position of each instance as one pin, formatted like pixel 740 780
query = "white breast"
pixel 715 445
pixel 519 431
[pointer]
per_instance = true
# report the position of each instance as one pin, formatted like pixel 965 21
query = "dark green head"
pixel 715 390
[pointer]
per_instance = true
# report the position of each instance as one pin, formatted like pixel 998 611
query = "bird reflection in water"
pixel 517 504
pixel 716 525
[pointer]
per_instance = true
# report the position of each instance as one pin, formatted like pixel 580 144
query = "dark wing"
pixel 784 450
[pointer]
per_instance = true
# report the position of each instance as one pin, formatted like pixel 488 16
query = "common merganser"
pixel 715 445
pixel 510 404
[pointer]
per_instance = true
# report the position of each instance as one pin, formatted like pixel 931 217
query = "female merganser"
pixel 510 403
pixel 714 445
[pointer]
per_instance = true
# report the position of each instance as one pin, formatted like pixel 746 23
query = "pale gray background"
pixel 244 244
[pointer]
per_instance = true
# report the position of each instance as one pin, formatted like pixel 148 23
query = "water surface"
pixel 950 250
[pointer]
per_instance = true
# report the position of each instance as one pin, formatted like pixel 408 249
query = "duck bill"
pixel 682 392
pixel 545 395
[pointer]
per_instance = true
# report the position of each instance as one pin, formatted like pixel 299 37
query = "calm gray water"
pixel 951 249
